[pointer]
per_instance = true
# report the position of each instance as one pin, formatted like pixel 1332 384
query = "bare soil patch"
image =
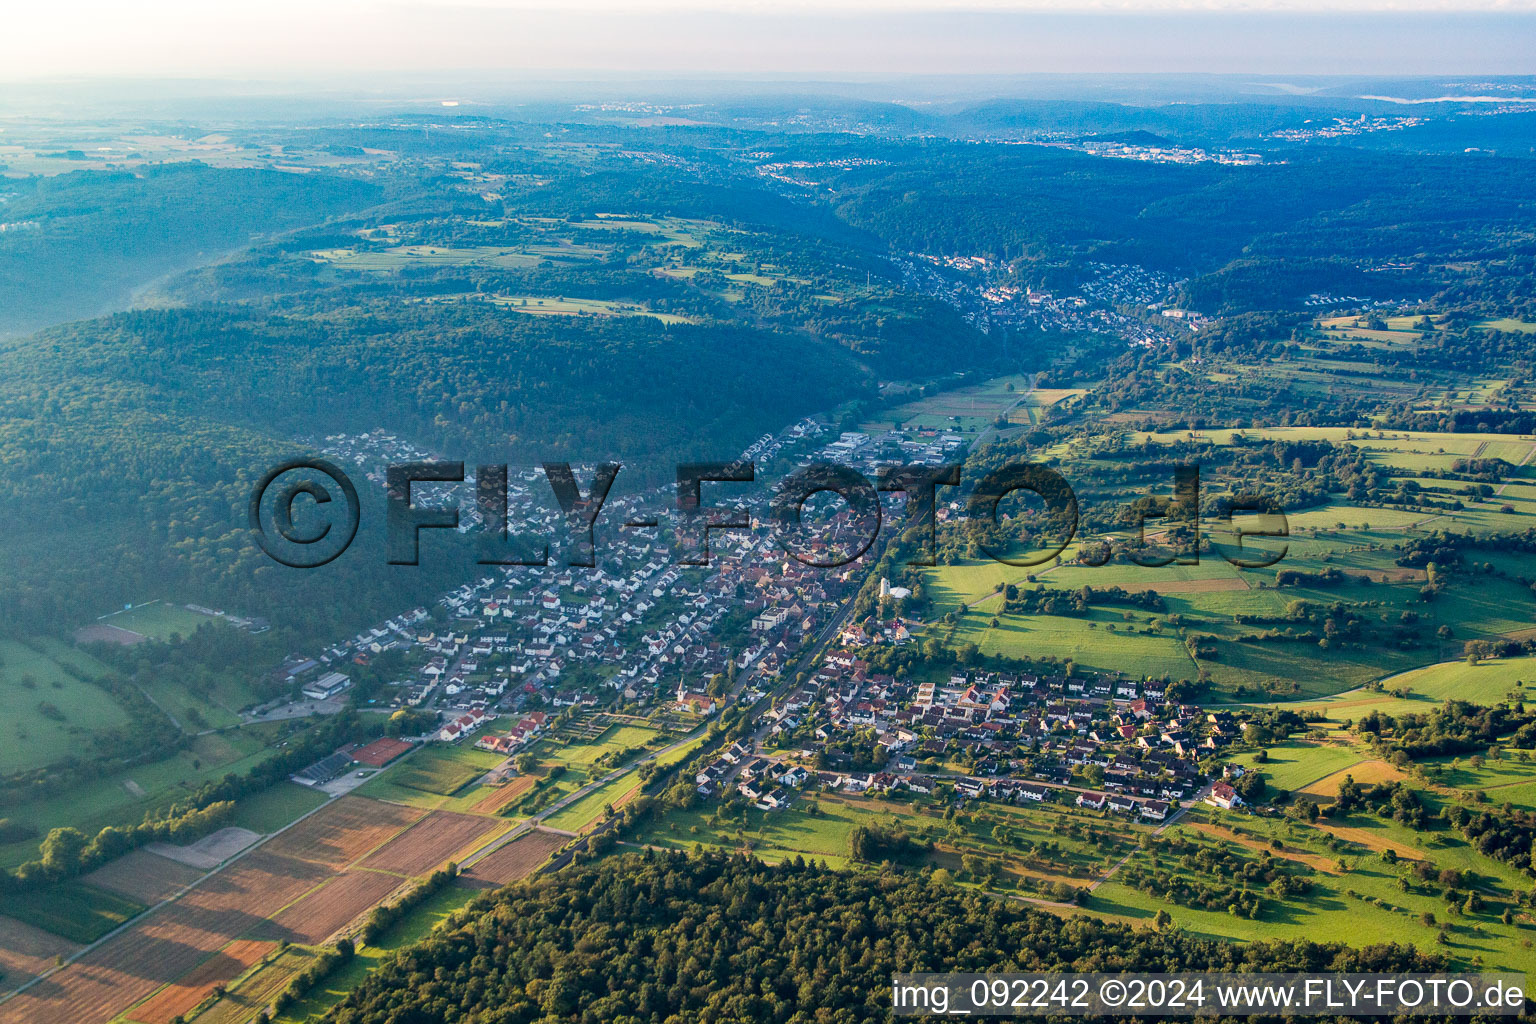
pixel 144 877
pixel 515 860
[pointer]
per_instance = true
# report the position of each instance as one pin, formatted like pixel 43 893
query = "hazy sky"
pixel 277 38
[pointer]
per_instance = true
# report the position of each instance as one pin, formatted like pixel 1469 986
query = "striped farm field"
pixel 345 830
pixel 1367 773
pixel 177 999
pixel 246 999
pixel 431 841
pixel 503 797
pixel 164 945
pixel 143 877
pixel 330 908
pixel 26 951
pixel 516 860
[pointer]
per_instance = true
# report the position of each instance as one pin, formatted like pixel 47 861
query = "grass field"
pixel 1102 641
pixel 125 797
pixel 549 305
pixel 969 408
pixel 442 769
pixel 1508 324
pixel 1228 607
pixel 1509 779
pixel 49 712
pixel 400 257
pixel 301 887
pixel 70 910
pixel 1294 765
pixel 1486 683
pixel 276 807
pixel 1360 904
pixel 247 995
pixel 589 808
pixel 578 755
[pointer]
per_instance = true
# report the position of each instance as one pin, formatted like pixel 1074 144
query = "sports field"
pixel 158 620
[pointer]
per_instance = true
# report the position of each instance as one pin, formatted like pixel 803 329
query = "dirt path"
pixel 1528 453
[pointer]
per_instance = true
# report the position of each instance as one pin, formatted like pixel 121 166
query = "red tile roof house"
pixel 1223 795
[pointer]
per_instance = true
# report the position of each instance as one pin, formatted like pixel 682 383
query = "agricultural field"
pixel 1294 765
pixel 496 799
pixel 426 845
pixel 546 305
pixel 27 951
pixel 178 1000
pixel 301 887
pixel 516 860
pixel 967 409
pixel 344 831
pixel 392 259
pixel 1103 642
pixel 578 754
pixel 1235 626
pixel 1508 324
pixel 585 812
pixel 1417 690
pixel 246 996
pixel 71 910
pixel 443 769
pixel 143 877
pixel 1037 851
pixel 333 988
pixel 315 917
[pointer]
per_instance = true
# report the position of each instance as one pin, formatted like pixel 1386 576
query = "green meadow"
pixel 51 713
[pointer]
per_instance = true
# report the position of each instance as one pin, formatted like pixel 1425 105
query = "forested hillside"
pixel 1247 237
pixel 80 244
pixel 142 435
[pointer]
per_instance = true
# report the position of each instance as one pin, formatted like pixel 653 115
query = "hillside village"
pixel 1098 743
pixel 638 630
pixel 502 654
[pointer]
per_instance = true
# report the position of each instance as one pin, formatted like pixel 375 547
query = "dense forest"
pixel 80 243
pixel 678 938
